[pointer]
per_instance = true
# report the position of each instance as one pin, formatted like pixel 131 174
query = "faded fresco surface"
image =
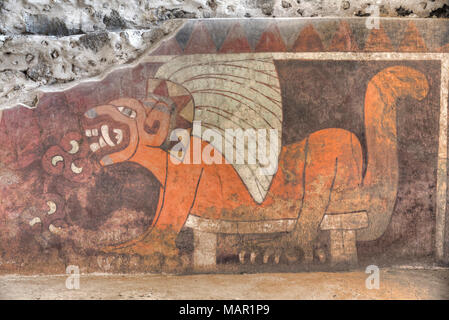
pixel 131 172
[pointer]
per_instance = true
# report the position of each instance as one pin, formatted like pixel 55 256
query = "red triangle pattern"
pixel 308 41
pixel 271 40
pixel 412 41
pixel 161 89
pixel 200 41
pixel 235 41
pixel 343 39
pixel 378 41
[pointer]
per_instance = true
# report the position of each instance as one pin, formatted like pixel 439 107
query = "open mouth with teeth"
pixel 106 135
pixel 104 139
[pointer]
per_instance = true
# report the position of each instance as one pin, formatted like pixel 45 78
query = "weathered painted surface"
pixel 132 172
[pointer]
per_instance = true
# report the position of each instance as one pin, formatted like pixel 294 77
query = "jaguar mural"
pixel 110 175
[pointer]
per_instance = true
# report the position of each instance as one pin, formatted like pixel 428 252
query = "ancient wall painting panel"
pixel 237 145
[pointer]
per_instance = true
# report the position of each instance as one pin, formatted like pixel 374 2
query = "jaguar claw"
pixel 253 257
pixel 242 257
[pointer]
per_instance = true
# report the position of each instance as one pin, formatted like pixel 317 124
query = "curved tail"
pixel 381 179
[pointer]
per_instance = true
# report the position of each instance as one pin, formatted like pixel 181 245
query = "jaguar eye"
pixel 130 113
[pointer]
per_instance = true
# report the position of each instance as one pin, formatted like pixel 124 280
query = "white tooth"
pixel 52 207
pixel 75 147
pixel 268 253
pixel 118 135
pixel 56 159
pixel 133 115
pixel 105 134
pixel 54 229
pixel 34 221
pixel 102 143
pixel 88 133
pixel 120 109
pixel 75 169
pixel 94 147
pixel 94 132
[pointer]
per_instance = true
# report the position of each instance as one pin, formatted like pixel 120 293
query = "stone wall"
pixel 64 201
pixel 45 43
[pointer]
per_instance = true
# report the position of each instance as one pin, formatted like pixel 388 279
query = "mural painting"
pixel 224 152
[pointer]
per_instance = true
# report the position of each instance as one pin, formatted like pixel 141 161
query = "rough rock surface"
pixel 45 42
pixel 72 17
pixel 28 62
